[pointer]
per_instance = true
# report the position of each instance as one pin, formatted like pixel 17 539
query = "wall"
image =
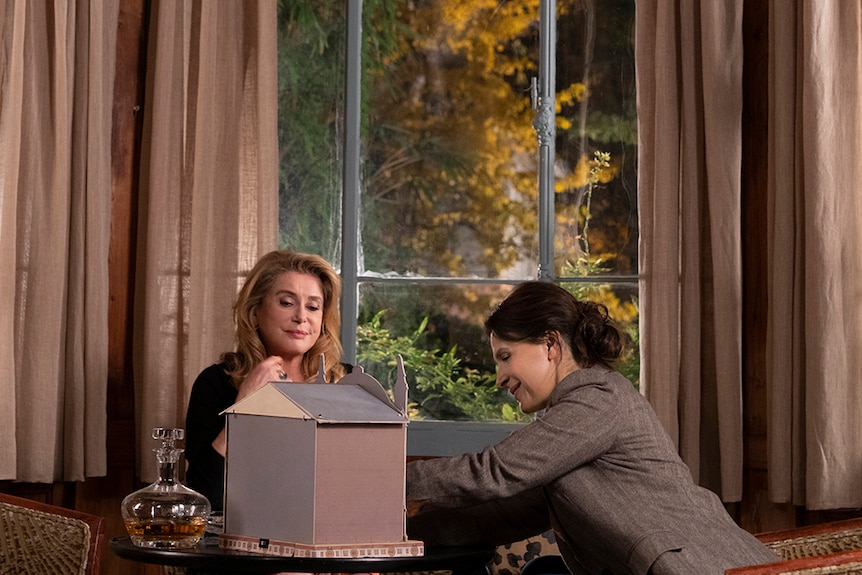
pixel 103 495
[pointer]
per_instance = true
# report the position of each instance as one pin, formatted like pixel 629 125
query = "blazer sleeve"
pixel 579 427
pixel 494 522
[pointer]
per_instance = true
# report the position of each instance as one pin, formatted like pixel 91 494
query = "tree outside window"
pixel 448 194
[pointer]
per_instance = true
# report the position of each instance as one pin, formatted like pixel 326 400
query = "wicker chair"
pixel 41 539
pixel 833 548
pixel 845 563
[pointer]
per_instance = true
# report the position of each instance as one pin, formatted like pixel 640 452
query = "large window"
pixel 438 152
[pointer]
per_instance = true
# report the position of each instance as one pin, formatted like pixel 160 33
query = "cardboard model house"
pixel 318 470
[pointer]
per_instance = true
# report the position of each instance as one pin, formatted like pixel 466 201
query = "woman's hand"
pixel 270 369
pixel 414 507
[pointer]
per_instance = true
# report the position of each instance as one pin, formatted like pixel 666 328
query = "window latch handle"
pixel 534 93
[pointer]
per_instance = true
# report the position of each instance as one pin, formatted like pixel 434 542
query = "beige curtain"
pixel 56 84
pixel 689 82
pixel 815 253
pixel 209 193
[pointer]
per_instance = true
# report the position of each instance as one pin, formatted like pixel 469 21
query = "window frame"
pixel 544 103
pixel 444 438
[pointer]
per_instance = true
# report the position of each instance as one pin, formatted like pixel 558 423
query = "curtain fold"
pixel 209 193
pixel 56 94
pixel 814 320
pixel 689 82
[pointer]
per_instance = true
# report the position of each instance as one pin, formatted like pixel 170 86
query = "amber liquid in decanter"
pixel 166 514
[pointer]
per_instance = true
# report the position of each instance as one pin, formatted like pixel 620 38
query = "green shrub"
pixel 440 387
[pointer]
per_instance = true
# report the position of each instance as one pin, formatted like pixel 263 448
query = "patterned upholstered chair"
pixel 833 548
pixel 545 565
pixel 41 539
pixel 511 558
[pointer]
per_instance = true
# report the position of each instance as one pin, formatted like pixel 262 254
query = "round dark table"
pixel 208 557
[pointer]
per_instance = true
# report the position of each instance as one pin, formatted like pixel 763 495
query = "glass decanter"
pixel 166 514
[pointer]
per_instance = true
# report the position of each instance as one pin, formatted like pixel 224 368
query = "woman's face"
pixel 291 314
pixel 527 370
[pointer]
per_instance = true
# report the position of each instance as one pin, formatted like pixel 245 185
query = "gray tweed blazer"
pixel 599 468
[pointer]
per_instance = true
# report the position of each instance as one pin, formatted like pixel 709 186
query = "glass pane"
pixel 311 68
pixel 449 159
pixel 449 168
pixel 596 196
pixel 438 331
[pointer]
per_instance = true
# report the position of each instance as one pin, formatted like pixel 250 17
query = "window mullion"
pixel 545 126
pixel 350 217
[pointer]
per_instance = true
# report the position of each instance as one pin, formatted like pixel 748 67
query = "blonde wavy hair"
pixel 250 349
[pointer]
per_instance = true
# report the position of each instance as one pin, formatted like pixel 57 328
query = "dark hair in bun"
pixel 535 309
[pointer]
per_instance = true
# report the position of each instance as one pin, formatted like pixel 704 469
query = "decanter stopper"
pixel 166 513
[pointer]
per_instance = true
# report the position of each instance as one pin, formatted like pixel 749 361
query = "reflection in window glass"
pixel 311 67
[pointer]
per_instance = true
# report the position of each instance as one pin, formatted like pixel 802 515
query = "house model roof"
pixel 357 398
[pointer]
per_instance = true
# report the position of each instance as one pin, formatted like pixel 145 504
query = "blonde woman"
pixel 286 316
